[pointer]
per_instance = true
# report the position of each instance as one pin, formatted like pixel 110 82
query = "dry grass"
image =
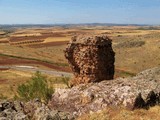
pixel 134 59
pixel 25 34
pixel 2 33
pixel 55 39
pixel 52 54
pixel 10 79
pixel 137 59
pixel 123 114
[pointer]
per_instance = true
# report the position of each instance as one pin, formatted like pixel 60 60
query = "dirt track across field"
pixel 48 44
pixel 16 61
pixel 34 69
pixel 43 36
pixel 54 69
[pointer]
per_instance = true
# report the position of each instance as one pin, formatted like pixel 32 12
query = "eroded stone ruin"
pixel 91 58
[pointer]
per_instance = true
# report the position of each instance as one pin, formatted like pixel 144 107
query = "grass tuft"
pixel 37 87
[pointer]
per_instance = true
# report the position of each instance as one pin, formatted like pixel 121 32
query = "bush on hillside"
pixel 37 87
pixel 130 44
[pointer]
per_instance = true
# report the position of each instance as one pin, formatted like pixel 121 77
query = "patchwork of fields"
pixel 135 49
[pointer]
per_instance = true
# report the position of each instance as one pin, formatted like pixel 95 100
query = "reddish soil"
pixel 76 32
pixel 56 34
pixel 3 69
pixel 48 44
pixel 29 38
pixel 43 36
pixel 4 41
pixel 17 61
pixel 2 81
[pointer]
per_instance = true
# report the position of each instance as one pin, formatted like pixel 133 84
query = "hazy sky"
pixel 79 11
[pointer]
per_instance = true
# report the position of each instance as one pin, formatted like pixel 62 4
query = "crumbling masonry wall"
pixel 91 58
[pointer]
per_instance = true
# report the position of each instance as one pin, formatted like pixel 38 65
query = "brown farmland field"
pixel 135 49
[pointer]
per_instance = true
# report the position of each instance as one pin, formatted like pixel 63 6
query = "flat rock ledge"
pixel 141 91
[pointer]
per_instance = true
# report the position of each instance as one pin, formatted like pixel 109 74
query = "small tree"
pixel 37 87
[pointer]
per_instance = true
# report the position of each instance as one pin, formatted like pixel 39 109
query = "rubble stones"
pixel 91 58
pixel 36 110
pixel 8 111
pixel 141 91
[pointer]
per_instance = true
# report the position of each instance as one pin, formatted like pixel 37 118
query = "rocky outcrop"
pixel 140 91
pixel 15 110
pixel 91 58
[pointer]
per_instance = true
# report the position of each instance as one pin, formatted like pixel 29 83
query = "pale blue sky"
pixel 79 11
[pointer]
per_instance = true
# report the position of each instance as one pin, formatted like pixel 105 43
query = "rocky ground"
pixel 141 91
pixel 32 110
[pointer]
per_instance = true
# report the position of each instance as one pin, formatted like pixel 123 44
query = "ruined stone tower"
pixel 91 58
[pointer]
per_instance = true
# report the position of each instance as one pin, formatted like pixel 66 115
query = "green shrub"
pixel 37 87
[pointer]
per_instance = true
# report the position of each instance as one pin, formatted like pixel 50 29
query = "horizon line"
pixel 134 24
